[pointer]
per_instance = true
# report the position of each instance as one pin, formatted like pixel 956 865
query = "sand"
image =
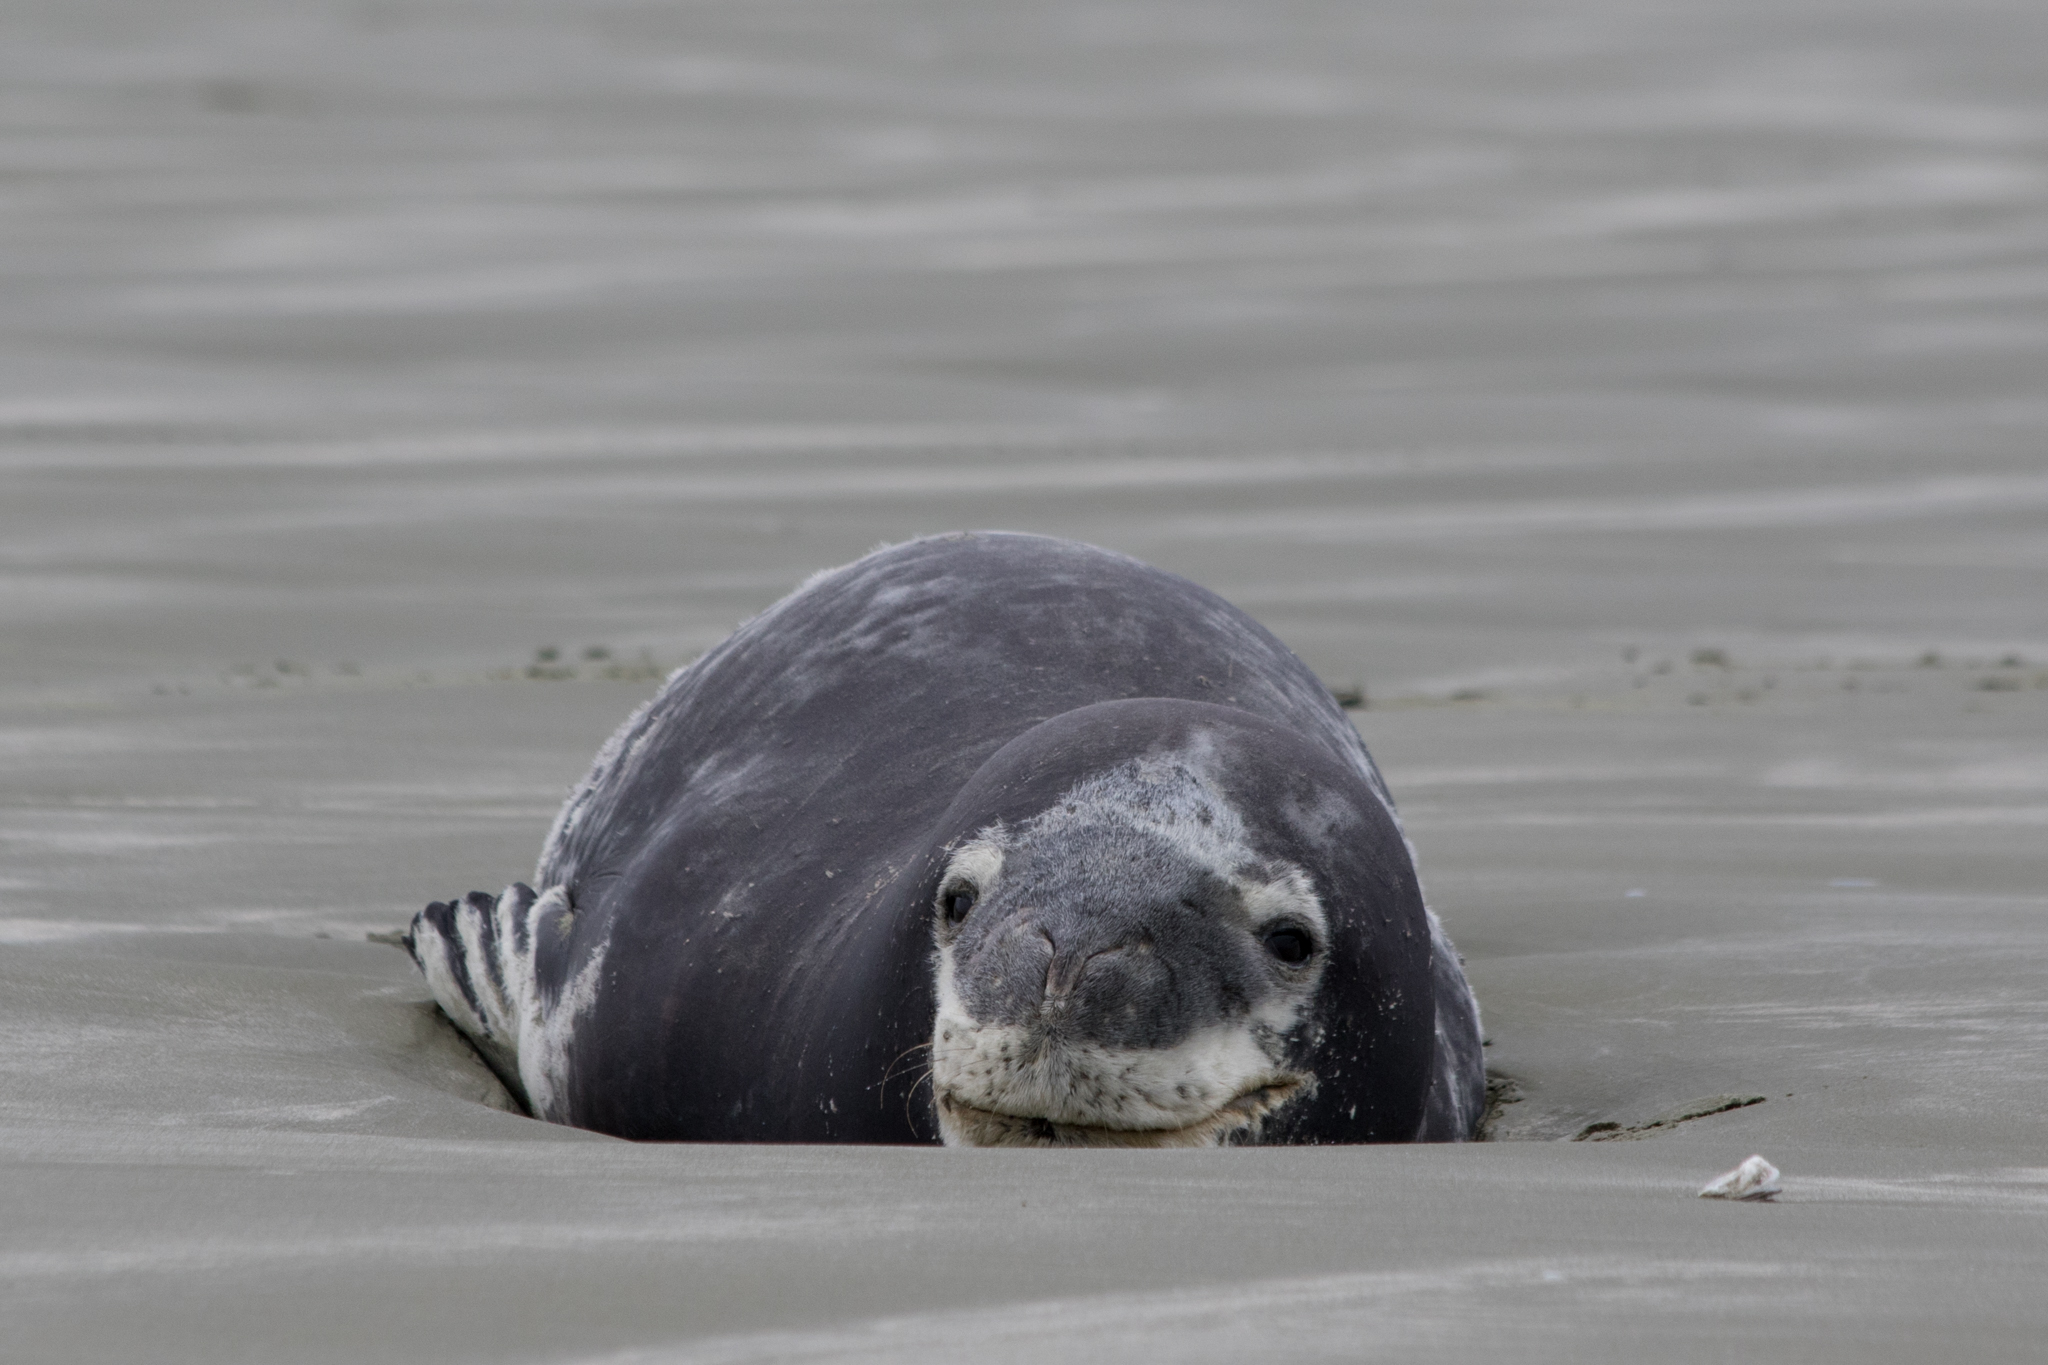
pixel 1643 406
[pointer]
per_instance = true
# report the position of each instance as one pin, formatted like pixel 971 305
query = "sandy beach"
pixel 1642 408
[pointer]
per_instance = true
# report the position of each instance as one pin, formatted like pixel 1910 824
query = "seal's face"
pixel 1122 969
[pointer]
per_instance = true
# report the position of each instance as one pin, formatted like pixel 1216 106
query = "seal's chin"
pixel 969 1126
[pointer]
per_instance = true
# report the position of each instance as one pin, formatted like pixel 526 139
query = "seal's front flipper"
pixel 477 955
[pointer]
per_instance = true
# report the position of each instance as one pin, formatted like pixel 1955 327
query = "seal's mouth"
pixel 975 1127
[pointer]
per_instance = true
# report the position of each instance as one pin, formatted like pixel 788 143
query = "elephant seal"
pixel 989 839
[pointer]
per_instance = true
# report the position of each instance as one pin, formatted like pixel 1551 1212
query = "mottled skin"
pixel 746 884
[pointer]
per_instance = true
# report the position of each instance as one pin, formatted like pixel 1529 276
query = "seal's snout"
pixel 1094 976
pixel 1108 993
pixel 1063 977
pixel 1113 992
pixel 1075 981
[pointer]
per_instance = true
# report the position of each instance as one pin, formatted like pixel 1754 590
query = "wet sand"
pixel 1644 409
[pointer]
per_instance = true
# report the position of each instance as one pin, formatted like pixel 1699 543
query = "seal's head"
pixel 1164 923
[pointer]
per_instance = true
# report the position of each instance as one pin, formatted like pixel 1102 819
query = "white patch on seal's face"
pixel 976 866
pixel 1002 1085
pixel 1032 1083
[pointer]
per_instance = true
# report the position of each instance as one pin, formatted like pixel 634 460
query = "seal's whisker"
pixel 881 1089
pixel 897 1060
pixel 922 1078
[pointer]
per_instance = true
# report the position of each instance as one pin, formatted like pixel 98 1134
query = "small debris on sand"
pixel 1755 1178
pixel 1706 1105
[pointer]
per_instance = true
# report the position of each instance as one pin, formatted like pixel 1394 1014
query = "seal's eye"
pixel 957 903
pixel 1290 944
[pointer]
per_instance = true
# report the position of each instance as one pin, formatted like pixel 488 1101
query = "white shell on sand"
pixel 1755 1178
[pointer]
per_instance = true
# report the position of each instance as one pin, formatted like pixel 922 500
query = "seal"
pixel 989 839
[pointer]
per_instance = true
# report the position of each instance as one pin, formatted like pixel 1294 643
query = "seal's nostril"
pixel 1063 975
pixel 1046 987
